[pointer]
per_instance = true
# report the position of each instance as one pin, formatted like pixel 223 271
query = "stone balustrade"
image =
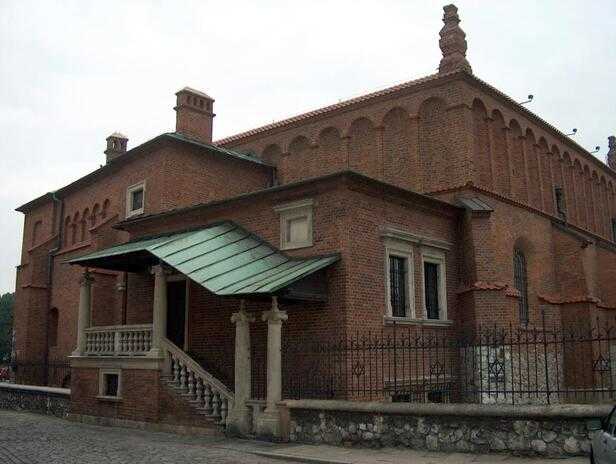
pixel 210 396
pixel 118 340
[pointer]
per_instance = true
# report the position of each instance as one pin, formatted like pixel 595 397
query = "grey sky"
pixel 73 72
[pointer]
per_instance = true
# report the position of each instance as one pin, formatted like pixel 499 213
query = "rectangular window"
pixel 431 283
pixel 398 281
pixel 110 383
pixel 135 199
pixel 434 284
pixel 559 196
pixel 614 229
pixel 295 224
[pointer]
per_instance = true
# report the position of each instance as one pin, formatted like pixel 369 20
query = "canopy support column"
pixel 83 321
pixel 159 312
pixel 239 418
pixel 268 423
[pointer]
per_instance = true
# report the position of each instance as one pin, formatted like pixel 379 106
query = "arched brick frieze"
pixel 517 159
pixel 434 146
pixel 498 137
pixel 397 162
pixel 85 217
pixel 605 207
pixel 330 151
pixel 590 204
pixel 94 216
pixel 481 147
pixel 67 230
pixel 547 184
pixel 557 173
pixel 596 196
pixel 534 172
pixel 299 163
pixel 569 186
pixel 75 228
pixel 363 156
pixel 578 175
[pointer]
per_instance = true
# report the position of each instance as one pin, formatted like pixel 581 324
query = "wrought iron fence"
pixel 515 365
pixel 54 373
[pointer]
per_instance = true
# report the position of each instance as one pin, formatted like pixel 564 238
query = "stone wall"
pixel 41 400
pixel 548 431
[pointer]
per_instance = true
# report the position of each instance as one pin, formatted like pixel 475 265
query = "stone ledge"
pixel 117 362
pixel 583 411
pixel 36 389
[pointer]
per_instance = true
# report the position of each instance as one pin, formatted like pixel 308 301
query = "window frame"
pixel 295 210
pixel 400 250
pixel 431 255
pixel 129 199
pixel 523 303
pixel 102 373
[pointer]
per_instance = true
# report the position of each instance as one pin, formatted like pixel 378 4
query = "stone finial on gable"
pixel 611 153
pixel 452 43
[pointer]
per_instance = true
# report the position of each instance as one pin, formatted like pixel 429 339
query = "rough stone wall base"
pixel 548 436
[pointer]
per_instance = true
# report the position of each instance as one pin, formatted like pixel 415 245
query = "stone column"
pixel 268 424
pixel 239 421
pixel 159 312
pixel 83 321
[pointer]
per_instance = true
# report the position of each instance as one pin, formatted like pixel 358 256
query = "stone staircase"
pixel 203 397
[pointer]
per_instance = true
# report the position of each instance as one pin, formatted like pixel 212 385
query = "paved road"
pixel 32 439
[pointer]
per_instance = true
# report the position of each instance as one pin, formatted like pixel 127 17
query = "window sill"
pixel 389 320
pixel 296 246
pixel 132 214
pixel 112 399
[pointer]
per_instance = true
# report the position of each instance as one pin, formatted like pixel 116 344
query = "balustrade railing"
pixel 210 395
pixel 119 340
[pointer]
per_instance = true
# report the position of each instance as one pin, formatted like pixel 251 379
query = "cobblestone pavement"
pixel 33 439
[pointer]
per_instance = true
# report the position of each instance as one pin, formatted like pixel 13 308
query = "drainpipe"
pixel 50 257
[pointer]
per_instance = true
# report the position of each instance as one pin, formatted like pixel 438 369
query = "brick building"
pixel 439 203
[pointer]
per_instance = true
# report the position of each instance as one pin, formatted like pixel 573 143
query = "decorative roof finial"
pixel 611 154
pixel 452 43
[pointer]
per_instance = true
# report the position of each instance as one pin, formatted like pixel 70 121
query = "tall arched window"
pixel 520 280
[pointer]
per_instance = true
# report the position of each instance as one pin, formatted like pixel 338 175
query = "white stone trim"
pixel 101 383
pixel 432 255
pixel 402 235
pixel 117 362
pixel 395 247
pixel 294 210
pixel 389 320
pixel 129 192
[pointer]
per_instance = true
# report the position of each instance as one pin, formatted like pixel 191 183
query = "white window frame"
pixel 101 383
pixel 294 210
pixel 431 255
pixel 402 250
pixel 129 197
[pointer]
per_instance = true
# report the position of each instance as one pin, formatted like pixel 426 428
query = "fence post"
pixel 545 355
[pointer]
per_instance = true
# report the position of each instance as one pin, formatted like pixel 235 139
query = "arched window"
pixel 520 280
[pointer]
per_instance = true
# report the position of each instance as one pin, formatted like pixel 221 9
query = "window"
pixel 559 196
pixel 110 383
pixel 295 224
pixel 53 327
pixel 399 279
pixel 434 284
pixel 521 283
pixel 614 229
pixel 135 199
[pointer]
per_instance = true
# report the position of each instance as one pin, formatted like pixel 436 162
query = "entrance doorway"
pixel 176 312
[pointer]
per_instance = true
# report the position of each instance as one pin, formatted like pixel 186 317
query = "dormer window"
pixel 135 199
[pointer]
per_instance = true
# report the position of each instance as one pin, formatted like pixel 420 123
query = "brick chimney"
pixel 194 114
pixel 116 146
pixel 452 43
pixel 611 153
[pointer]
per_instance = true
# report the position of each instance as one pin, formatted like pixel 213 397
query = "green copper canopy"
pixel 224 258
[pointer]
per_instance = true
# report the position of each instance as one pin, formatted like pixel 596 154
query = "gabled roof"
pixel 130 155
pixel 224 258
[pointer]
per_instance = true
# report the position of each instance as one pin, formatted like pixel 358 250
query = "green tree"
pixel 7 302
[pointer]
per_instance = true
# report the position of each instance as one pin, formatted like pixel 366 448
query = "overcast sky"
pixel 71 73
